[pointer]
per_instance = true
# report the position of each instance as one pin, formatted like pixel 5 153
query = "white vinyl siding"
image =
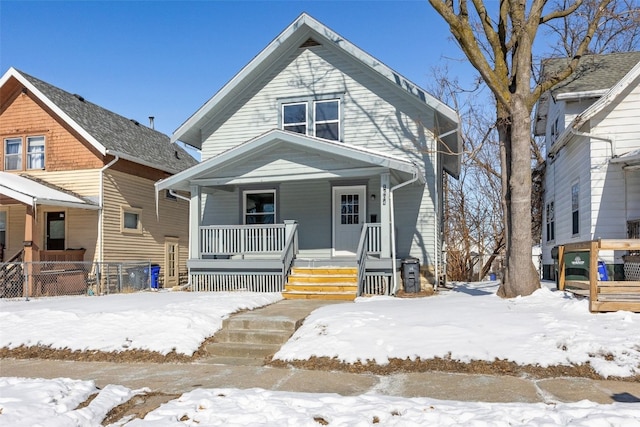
pixel 374 114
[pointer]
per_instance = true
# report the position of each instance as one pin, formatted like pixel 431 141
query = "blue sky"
pixel 165 58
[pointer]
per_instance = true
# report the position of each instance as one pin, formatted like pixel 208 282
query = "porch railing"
pixel 361 257
pixel 289 252
pixel 241 239
pixel 374 238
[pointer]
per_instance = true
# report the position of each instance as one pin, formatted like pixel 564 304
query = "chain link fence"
pixel 57 278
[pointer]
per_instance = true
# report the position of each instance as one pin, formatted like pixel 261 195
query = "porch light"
pixel 373 197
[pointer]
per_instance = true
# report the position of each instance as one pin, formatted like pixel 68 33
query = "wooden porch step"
pixel 323 283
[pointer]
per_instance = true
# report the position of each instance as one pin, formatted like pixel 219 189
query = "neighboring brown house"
pixel 76 176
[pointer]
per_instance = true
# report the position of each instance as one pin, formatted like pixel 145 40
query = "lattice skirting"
pixel 226 282
pixel 632 270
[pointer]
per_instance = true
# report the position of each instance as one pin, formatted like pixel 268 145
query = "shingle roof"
pixel 595 72
pixel 116 133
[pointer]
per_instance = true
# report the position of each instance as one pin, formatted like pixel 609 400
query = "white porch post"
pixel 195 205
pixel 385 216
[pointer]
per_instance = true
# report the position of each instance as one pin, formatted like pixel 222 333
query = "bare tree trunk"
pixel 520 277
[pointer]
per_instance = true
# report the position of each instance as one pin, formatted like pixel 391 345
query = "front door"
pixel 55 231
pixel 348 216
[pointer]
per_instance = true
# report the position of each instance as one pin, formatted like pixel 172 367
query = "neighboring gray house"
pixel 316 154
pixel 591 125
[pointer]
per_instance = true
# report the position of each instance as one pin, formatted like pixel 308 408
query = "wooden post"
pixel 561 268
pixel 31 252
pixel 593 273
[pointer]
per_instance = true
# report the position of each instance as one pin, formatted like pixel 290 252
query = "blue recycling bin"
pixel 155 274
pixel 602 271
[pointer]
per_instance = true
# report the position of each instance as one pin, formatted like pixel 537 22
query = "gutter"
pixel 101 204
pixel 137 160
pixel 416 176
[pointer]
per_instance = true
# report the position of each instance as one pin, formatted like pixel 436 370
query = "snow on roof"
pixel 34 193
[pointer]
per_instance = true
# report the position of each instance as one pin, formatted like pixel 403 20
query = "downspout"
pixel 393 225
pixel 101 216
pixel 601 138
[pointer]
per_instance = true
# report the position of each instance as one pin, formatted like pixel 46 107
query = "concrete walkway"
pixel 180 378
pixel 172 378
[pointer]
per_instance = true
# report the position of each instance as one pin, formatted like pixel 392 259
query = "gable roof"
pixel 305 31
pixel 595 75
pixel 108 132
pixel 366 160
pixel 605 100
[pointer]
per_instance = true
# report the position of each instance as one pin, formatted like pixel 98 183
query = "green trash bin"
pixel 576 266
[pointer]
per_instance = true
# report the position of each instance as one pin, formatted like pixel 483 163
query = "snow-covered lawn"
pixel 466 323
pixel 30 402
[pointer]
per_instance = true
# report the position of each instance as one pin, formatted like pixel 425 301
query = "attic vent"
pixel 309 43
pixel 80 98
pixel 134 122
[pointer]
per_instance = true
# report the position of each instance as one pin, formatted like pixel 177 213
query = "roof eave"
pixel 188 133
pixel 12 72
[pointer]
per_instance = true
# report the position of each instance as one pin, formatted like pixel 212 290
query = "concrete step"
pixel 271 323
pixel 253 336
pixel 261 352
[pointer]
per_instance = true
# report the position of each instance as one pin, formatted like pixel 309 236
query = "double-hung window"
pixel 319 118
pixel 35 152
pixel 551 222
pixel 21 156
pixel 13 154
pixel 327 119
pixel 294 117
pixel 259 207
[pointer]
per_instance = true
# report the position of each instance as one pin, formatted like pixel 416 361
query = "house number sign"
pixel 384 194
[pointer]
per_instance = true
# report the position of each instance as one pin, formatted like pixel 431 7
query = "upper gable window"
pixel 19 156
pixel 294 117
pixel 319 118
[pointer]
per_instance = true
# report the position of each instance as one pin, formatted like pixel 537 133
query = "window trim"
pixel 310 102
pixel 338 121
pixel 244 213
pixel 31 154
pixel 24 155
pixel 130 210
pixel 550 221
pixel 7 156
pixel 575 210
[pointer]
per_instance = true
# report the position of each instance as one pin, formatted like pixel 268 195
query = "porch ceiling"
pixel 279 156
pixel 32 193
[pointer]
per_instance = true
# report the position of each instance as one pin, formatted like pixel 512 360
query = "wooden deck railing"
pixel 603 295
pixel 241 239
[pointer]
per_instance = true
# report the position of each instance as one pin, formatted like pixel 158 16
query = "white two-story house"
pixel 316 155
pixel 591 125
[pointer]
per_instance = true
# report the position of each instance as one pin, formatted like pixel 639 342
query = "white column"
pixel 385 216
pixel 195 205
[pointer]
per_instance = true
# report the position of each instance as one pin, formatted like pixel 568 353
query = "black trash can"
pixel 411 275
pixel 138 277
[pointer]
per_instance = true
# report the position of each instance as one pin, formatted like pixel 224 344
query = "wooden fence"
pixel 603 295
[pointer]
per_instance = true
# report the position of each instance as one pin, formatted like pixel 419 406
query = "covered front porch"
pixel 281 203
